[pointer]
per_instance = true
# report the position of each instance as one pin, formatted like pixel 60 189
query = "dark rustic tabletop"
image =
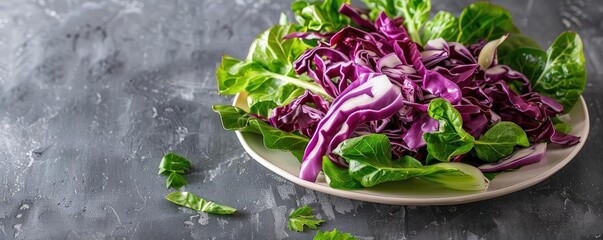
pixel 93 93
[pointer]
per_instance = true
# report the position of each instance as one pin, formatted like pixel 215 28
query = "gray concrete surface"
pixel 93 93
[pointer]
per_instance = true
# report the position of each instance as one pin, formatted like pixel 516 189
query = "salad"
pixel 386 93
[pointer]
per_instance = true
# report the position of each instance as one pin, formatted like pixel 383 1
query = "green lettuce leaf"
pixel 236 119
pixel 233 118
pixel 442 25
pixel 480 20
pixel 559 73
pixel 514 41
pixel 277 139
pixel 451 139
pixel 561 126
pixel 175 180
pixel 499 141
pixel 370 163
pixel 491 175
pixel 414 12
pixel 262 108
pixel 564 75
pixel 338 177
pixel 465 177
pixel 320 16
pixel 190 200
pixel 302 217
pixel 275 54
pixel 483 20
pixel 529 61
pixel 173 163
pixel 173 166
pixel 267 74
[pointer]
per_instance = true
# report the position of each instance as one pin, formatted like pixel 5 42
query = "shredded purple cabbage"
pixel 382 82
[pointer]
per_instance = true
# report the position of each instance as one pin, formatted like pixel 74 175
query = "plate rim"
pixel 473 197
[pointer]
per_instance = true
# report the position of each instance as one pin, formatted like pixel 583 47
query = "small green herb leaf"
pixel 190 200
pixel 498 141
pixel 333 235
pixel 451 140
pixel 303 217
pixel 173 163
pixel 173 166
pixel 175 180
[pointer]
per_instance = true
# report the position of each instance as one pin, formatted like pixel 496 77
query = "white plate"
pixel 417 192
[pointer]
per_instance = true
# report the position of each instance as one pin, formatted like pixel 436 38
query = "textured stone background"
pixel 92 93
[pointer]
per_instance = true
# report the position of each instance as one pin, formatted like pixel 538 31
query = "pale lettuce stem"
pixel 414 35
